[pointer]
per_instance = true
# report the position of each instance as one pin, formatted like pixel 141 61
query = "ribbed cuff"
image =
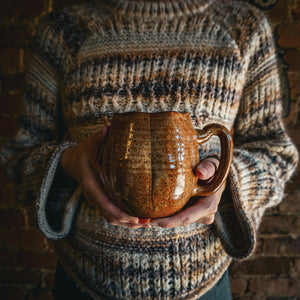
pixel 47 185
pixel 232 221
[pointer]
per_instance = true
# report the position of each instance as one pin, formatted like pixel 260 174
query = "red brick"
pixel 279 287
pixel 8 126
pixel 7 195
pixel 259 246
pixel 37 259
pixel 296 267
pixel 21 238
pixel 3 179
pixel 262 266
pixel 12 293
pixel 278 13
pixel 291 119
pixel 289 35
pixel 280 225
pixel 10 104
pixel 20 276
pixel 39 294
pixel 294 82
pixel 13 83
pixel 17 34
pixel 290 204
pixel 27 55
pixel 20 8
pixel 8 258
pixel 12 217
pixel 11 60
pixel 238 286
pixel 271 211
pixel 32 221
pixel 296 11
pixel 283 246
pixel 294 134
pixel 292 58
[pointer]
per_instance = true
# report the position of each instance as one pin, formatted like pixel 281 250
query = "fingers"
pixel 86 170
pixel 202 211
pixel 93 144
pixel 81 163
pixel 96 196
pixel 99 137
pixel 207 168
pixel 115 222
pixel 115 216
pixel 91 182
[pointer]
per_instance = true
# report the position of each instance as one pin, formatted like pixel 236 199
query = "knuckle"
pixel 214 161
pixel 213 209
pixel 212 205
pixel 186 221
pixel 121 217
pixel 122 220
pixel 166 225
pixel 208 220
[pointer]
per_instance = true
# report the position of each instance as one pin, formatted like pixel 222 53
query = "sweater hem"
pixel 192 296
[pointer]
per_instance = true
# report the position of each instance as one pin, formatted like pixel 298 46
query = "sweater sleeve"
pixel 38 141
pixel 264 157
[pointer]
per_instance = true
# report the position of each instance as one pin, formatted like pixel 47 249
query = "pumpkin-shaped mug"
pixel 148 162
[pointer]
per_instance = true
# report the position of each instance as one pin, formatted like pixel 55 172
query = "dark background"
pixel 27 262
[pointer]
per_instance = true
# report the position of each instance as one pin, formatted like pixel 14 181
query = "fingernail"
pixel 134 221
pixel 144 221
pixel 201 172
pixel 147 226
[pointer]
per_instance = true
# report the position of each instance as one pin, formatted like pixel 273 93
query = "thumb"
pixel 99 137
pixel 206 169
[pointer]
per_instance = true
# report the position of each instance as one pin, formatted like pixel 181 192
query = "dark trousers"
pixel 221 291
pixel 65 288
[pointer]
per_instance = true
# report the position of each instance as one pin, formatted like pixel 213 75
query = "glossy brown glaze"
pixel 148 162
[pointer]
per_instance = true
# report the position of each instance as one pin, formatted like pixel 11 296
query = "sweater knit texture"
pixel 215 60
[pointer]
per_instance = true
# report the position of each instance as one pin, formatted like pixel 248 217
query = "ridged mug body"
pixel 148 162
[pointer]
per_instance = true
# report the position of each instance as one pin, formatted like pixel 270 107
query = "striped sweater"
pixel 215 60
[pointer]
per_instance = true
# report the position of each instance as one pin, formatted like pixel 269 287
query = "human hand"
pixel 81 163
pixel 203 210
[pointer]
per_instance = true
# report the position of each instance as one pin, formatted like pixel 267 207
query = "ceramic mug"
pixel 148 162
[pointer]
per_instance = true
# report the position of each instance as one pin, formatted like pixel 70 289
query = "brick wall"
pixel 27 262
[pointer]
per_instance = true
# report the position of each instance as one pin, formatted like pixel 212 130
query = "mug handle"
pixel 225 160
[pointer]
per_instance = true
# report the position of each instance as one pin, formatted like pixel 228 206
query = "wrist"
pixel 66 160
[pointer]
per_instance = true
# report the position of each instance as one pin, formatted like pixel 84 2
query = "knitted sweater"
pixel 215 60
